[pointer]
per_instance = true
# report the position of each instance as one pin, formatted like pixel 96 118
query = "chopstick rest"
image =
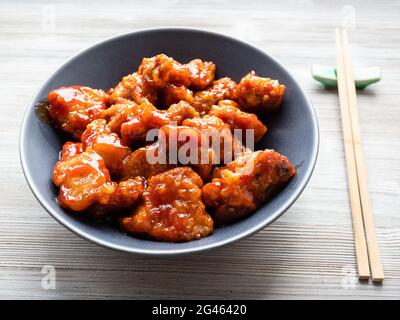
pixel 362 77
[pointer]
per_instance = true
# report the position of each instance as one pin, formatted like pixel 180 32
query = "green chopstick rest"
pixel 362 77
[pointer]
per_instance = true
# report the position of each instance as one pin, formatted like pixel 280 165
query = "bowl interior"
pixel 293 131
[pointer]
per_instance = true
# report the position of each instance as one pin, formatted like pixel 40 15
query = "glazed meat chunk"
pixel 229 112
pixel 83 180
pixel 187 146
pixel 172 209
pixel 73 108
pixel 202 73
pixel 108 145
pixel 121 112
pixel 242 185
pixel 138 164
pixel 221 89
pixel 135 130
pixel 127 194
pixel 221 139
pixel 176 113
pixel 256 94
pixel 161 70
pixel 174 93
pixel 70 149
pixel 134 87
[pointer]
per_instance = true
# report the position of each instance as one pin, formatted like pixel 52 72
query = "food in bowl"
pixel 168 152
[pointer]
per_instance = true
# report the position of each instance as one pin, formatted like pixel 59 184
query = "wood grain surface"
pixel 307 253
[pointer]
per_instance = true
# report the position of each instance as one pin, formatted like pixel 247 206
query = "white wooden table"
pixel 308 253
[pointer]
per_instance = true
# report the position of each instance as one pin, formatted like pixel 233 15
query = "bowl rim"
pixel 170 251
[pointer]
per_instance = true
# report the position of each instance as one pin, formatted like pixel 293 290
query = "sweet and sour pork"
pixel 160 153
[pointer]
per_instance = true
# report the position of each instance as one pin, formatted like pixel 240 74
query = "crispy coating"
pixel 224 88
pixel 172 209
pixel 229 112
pixel 202 73
pixel 187 146
pixel 256 94
pixel 242 185
pixel 164 73
pixel 174 93
pixel 83 180
pixel 135 130
pixel 221 139
pixel 126 195
pixel 121 112
pixel 73 108
pixel 161 70
pixel 180 111
pixel 137 163
pixel 108 145
pixel 134 87
pixel 70 149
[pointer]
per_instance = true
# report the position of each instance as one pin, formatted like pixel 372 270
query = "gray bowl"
pixel 293 131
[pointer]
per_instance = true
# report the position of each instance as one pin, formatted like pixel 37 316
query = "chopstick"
pixel 367 214
pixel 354 193
pixel 366 244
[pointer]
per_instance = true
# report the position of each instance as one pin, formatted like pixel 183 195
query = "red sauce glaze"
pixel 135 131
pixel 172 209
pixel 242 185
pixel 70 149
pixel 229 112
pixel 108 145
pixel 224 88
pixel 134 87
pixel 83 180
pixel 257 94
pixel 73 108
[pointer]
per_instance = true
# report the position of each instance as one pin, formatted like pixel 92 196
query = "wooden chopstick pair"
pixel 366 245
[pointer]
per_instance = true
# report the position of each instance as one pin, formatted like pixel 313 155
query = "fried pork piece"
pixel 220 136
pixel 161 70
pixel 187 146
pixel 134 87
pixel 244 184
pixel 202 73
pixel 137 163
pixel 174 93
pixel 135 130
pixel 224 88
pixel 229 112
pixel 127 193
pixel 83 180
pixel 172 209
pixel 108 145
pixel 257 94
pixel 72 108
pixel 70 149
pixel 121 112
